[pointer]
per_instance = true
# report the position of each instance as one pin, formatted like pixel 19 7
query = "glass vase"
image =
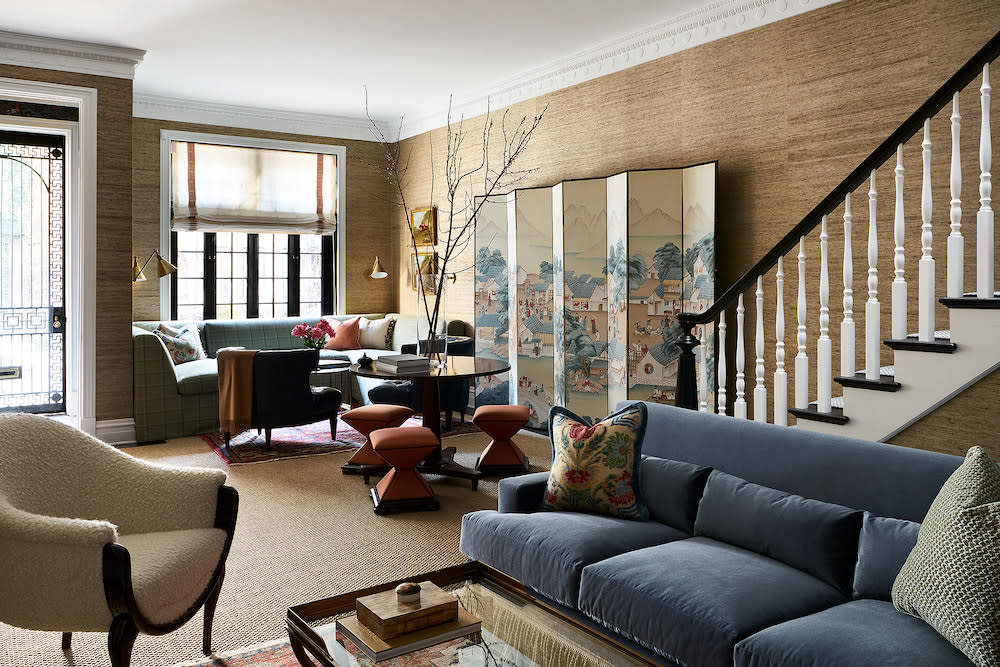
pixel 432 341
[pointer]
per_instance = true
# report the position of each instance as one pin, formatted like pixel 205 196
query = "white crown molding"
pixel 704 25
pixel 253 118
pixel 67 55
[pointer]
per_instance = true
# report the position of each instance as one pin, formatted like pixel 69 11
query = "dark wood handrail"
pixel 963 77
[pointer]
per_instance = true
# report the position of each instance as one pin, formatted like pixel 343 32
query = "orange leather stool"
pixel 500 422
pixel 403 488
pixel 366 419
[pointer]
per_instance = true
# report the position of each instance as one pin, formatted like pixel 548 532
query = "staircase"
pixel 927 366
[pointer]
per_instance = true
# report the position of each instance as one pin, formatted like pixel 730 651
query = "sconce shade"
pixel 164 268
pixel 137 275
pixel 377 271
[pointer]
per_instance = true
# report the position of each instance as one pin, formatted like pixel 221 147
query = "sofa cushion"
pixel 817 537
pixel 883 548
pixel 692 600
pixel 863 632
pixel 548 550
pixel 672 490
pixel 595 467
pixel 377 334
pixel 171 569
pixel 346 335
pixel 951 579
pixel 198 377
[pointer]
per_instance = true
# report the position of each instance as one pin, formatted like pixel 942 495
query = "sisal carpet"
pixel 305 531
pixel 308 440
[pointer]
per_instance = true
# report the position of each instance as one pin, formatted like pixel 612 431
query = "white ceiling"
pixel 317 56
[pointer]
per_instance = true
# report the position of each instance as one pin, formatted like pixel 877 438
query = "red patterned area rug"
pixel 310 440
pixel 272 654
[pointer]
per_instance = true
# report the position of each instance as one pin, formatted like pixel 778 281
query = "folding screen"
pixel 492 297
pixel 598 271
pixel 579 219
pixel 529 230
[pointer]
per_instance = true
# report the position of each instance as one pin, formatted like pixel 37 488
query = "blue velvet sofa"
pixel 766 546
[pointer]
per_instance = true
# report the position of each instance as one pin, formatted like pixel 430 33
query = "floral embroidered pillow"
pixel 183 344
pixel 595 467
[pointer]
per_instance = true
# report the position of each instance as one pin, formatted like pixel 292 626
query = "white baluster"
pixel 759 390
pixel 802 359
pixel 984 218
pixel 824 346
pixel 899 257
pixel 722 364
pixel 703 378
pixel 873 347
pixel 925 267
pixel 780 377
pixel 740 405
pixel 956 244
pixel 847 325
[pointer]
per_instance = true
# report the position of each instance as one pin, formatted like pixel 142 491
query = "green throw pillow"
pixel 595 467
pixel 951 579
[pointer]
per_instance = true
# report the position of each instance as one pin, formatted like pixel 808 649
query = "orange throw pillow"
pixel 346 335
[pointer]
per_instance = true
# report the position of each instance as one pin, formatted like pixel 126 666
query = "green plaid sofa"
pixel 172 401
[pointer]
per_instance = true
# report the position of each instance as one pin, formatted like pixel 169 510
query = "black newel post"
pixel 687 374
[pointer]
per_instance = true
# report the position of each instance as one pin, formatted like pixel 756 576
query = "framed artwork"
pixel 425 264
pixel 423 224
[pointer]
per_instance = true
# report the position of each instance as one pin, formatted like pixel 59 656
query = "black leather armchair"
pixel 282 395
pixel 452 394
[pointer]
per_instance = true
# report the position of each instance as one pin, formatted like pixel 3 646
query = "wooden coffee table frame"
pixel 311 651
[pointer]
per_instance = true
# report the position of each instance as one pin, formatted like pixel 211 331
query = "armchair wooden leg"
pixel 448 419
pixel 333 429
pixel 228 436
pixel 206 641
pixel 267 438
pixel 121 638
pixel 67 641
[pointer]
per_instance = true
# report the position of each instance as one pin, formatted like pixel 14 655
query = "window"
pixel 234 275
pixel 253 227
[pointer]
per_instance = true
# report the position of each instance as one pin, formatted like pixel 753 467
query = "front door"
pixel 32 233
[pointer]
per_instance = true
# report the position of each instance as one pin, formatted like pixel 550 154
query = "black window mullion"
pixel 174 286
pixel 329 295
pixel 210 310
pixel 293 275
pixel 253 291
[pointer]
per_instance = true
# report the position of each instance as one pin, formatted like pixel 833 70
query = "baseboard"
pixel 116 431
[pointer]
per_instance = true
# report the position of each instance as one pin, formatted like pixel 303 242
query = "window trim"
pixel 340 245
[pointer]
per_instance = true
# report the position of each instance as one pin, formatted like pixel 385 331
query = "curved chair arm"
pixel 51 577
pixel 152 498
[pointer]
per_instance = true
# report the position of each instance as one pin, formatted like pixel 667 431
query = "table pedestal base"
pixel 446 466
pixel 365 469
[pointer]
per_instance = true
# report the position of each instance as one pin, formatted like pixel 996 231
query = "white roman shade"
pixel 233 188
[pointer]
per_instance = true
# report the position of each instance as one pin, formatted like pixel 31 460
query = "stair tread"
pixel 939 344
pixel 971 301
pixel 885 382
pixel 835 416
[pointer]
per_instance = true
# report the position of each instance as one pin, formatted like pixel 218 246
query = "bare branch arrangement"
pixel 467 187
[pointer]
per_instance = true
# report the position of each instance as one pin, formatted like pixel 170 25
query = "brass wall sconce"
pixel 163 267
pixel 377 272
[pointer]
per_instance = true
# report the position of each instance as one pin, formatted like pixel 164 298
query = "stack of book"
pixel 403 364
pixel 384 627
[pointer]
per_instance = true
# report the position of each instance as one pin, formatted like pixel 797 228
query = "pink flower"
pixel 301 330
pixel 325 327
pixel 316 333
pixel 581 432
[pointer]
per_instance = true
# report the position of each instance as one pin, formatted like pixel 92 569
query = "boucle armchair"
pixel 96 540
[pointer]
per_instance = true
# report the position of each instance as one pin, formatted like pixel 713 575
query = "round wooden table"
pixel 442 461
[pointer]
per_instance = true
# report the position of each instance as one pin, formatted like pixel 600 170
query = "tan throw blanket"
pixel 235 390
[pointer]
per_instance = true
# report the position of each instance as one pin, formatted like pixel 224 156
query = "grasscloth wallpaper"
pixel 788 110
pixel 367 215
pixel 114 235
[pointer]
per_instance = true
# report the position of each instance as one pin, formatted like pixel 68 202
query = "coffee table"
pixel 517 629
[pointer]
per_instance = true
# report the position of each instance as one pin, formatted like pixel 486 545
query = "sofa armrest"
pixel 522 494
